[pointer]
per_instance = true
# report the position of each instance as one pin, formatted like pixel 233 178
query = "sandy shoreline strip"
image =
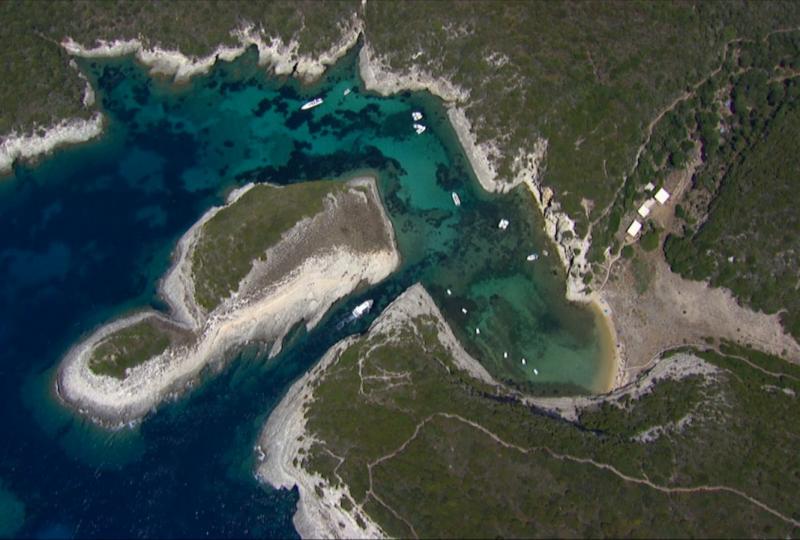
pixel 258 311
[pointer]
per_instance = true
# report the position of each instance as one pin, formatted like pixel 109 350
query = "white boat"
pixel 478 331
pixel 416 116
pixel 464 310
pixel 535 371
pixel 456 199
pixel 532 257
pixel 419 128
pixel 449 292
pixel 347 91
pixel 362 309
pixel 524 361
pixel 505 354
pixel 311 104
pixel 503 225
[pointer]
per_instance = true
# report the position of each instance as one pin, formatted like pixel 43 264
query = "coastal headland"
pixel 399 433
pixel 268 259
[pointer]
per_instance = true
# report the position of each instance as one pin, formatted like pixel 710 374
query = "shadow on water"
pixel 88 232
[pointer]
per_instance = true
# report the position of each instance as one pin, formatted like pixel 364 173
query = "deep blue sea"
pixel 87 232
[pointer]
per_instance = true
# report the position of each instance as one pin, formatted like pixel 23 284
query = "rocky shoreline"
pixel 43 141
pixel 262 309
pixel 281 58
pixel 284 438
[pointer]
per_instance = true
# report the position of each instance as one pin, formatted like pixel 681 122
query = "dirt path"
pixel 584 461
pixel 673 311
pixel 684 96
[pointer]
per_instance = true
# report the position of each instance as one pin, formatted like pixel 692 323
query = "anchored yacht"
pixel 361 309
pixel 311 104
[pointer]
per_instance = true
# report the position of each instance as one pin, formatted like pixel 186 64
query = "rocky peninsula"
pixel 252 269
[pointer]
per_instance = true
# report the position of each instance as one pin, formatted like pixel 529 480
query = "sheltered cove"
pixel 283 59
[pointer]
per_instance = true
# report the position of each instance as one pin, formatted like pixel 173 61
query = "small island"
pixel 251 270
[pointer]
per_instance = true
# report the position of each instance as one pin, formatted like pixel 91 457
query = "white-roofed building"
pixel 649 186
pixel 634 229
pixel 644 210
pixel 662 196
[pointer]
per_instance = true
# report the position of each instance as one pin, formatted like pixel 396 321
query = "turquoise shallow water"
pixel 88 233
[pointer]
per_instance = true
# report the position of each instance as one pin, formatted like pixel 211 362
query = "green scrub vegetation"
pixel 562 71
pixel 737 222
pixel 238 235
pixel 429 451
pixel 745 194
pixel 130 346
pixel 37 85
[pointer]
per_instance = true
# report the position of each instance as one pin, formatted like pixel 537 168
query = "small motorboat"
pixel 361 309
pixel 456 199
pixel 311 104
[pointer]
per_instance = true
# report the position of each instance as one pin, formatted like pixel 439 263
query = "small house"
pixel 644 210
pixel 662 196
pixel 634 229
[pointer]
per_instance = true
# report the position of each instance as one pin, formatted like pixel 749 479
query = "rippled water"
pixel 87 232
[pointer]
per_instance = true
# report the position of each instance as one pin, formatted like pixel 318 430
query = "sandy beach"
pixel 264 308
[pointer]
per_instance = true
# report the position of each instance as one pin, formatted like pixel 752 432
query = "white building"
pixel 662 196
pixel 634 229
pixel 644 210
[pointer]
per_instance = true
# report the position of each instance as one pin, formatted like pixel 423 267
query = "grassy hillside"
pixel 429 452
pixel 749 242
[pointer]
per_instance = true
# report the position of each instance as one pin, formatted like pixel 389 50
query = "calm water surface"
pixel 87 233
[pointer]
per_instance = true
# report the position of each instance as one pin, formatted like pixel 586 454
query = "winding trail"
pixel 566 457
pixel 687 94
